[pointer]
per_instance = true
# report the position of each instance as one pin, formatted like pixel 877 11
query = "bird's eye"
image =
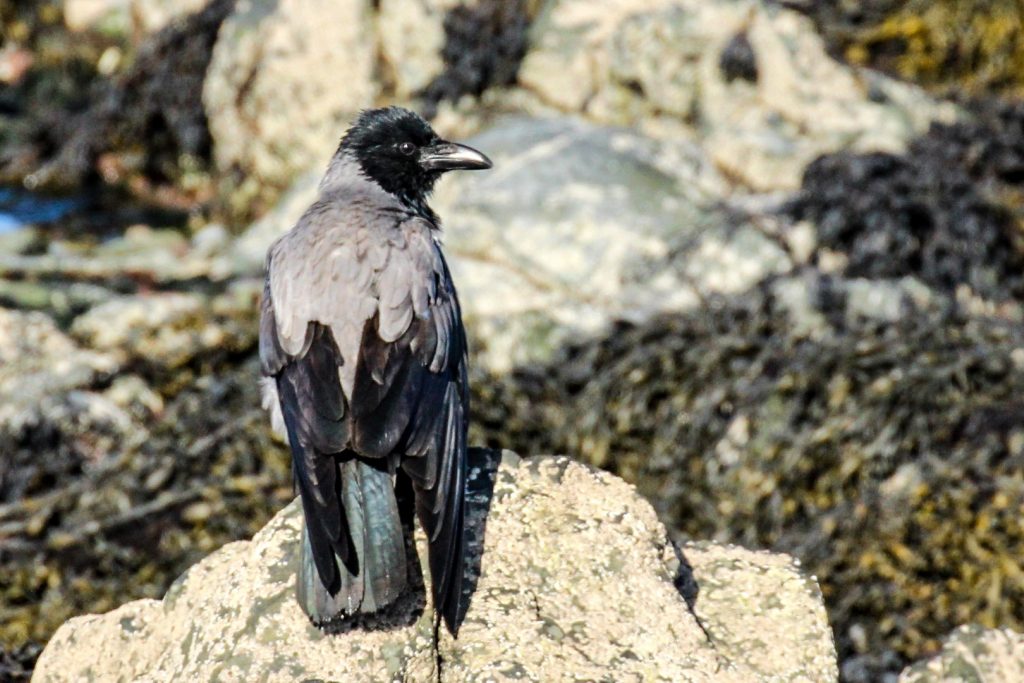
pixel 407 148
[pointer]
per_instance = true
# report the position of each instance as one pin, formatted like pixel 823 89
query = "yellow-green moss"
pixel 976 46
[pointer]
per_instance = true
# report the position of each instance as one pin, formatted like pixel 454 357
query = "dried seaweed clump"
pixel 484 45
pixel 150 116
pixel 204 472
pixel 949 212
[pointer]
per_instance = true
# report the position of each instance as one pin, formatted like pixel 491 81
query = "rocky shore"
pixel 779 293
pixel 543 604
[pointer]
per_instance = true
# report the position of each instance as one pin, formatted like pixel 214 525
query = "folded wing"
pixel 362 331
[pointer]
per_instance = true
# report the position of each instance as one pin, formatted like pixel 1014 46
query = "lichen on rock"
pixel 571 575
pixel 972 653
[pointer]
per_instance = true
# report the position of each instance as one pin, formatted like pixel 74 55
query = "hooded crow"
pixel 363 355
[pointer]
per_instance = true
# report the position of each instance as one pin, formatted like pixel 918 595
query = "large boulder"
pixel 285 79
pixel 752 79
pixel 570 574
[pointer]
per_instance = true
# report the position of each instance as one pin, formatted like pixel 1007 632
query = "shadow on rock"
pixel 483 468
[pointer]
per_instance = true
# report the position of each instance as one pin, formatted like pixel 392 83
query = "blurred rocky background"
pixel 764 259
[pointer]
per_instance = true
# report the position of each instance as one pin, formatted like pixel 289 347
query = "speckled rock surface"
pixel 659 63
pixel 741 597
pixel 285 79
pixel 233 616
pixel 973 654
pixel 577 579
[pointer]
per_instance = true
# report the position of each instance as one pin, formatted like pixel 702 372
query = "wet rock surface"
pixel 572 575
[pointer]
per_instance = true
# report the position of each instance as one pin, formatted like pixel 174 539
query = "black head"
pixel 397 149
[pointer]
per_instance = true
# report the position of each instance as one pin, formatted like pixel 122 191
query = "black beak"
pixel 450 156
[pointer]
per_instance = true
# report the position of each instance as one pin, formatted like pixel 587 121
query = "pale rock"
pixel 81 15
pixel 168 329
pixel 142 253
pixel 633 62
pixel 150 16
pixel 39 362
pixel 570 575
pixel 285 80
pixel 971 654
pixel 411 38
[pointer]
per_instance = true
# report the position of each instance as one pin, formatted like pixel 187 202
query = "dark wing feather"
pixel 313 407
pixel 410 396
pixel 377 300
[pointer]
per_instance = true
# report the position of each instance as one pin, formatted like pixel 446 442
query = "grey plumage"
pixel 362 345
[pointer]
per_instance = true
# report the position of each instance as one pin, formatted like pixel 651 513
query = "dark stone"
pixel 738 60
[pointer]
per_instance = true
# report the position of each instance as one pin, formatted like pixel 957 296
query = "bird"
pixel 363 362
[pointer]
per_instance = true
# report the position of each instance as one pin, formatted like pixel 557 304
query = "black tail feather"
pixel 375 574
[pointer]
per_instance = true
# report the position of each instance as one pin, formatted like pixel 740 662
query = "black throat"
pixel 417 204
